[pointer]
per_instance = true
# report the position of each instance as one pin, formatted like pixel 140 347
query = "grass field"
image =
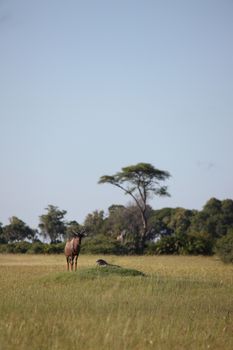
pixel 180 303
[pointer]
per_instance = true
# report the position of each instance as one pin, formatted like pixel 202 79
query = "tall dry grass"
pixel 182 303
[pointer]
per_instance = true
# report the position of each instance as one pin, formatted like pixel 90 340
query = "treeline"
pixel 170 231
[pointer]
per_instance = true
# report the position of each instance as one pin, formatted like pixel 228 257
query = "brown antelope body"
pixel 72 250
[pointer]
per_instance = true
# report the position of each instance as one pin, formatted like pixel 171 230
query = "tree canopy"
pixel 52 224
pixel 17 230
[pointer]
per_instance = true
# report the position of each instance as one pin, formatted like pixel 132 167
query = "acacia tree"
pixel 141 182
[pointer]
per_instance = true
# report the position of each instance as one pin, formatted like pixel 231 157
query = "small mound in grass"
pixel 91 273
pixel 110 270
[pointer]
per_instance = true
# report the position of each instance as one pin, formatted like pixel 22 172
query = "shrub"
pixel 32 248
pixel 36 248
pixel 197 245
pixel 224 248
pixel 21 247
pixel 16 248
pixel 54 248
pixel 150 248
pixel 3 248
pixel 166 245
pixel 102 245
pixel 180 244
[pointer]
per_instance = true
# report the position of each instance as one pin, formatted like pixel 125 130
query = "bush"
pixel 224 248
pixel 102 245
pixel 54 248
pixel 151 248
pixel 36 248
pixel 180 244
pixel 21 247
pixel 3 248
pixel 167 245
pixel 197 245
pixel 32 248
pixel 16 248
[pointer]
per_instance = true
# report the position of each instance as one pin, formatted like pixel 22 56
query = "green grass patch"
pixel 91 273
pixel 108 271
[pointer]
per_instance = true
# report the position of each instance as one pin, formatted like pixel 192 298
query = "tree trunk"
pixel 144 232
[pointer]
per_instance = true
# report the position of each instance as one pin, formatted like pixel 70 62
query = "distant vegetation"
pixel 132 229
pixel 171 231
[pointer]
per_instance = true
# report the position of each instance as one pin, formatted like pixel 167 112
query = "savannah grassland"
pixel 180 303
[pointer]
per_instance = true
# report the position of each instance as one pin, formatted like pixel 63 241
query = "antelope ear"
pixel 83 232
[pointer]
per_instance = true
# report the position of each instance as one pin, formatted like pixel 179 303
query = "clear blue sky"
pixel 87 87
